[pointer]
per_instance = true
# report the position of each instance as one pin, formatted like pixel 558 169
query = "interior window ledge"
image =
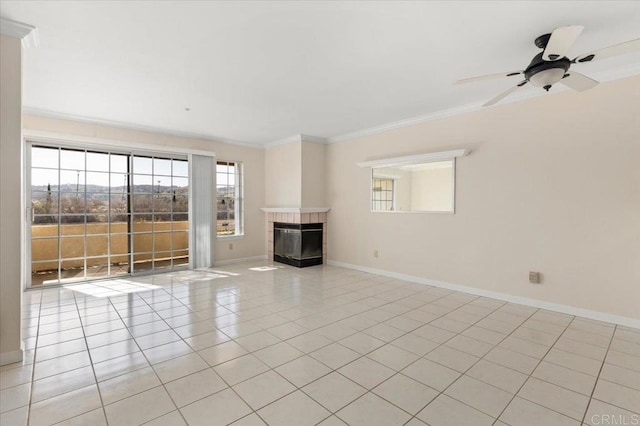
pixel 230 237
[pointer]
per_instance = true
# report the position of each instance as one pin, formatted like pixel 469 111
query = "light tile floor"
pixel 254 344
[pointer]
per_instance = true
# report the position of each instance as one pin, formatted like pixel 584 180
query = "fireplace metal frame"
pixel 289 241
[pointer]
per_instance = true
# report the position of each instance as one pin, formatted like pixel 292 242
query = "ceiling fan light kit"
pixel 547 77
pixel 552 65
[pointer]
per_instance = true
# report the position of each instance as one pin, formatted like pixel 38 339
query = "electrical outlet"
pixel 230 246
pixel 375 253
pixel 535 277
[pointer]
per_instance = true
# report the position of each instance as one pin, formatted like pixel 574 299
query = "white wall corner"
pixel 313 139
pixel 284 141
pixel 28 33
pixel 295 138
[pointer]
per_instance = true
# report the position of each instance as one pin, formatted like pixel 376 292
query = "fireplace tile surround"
pixel 295 216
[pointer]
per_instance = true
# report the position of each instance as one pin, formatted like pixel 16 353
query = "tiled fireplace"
pixel 295 216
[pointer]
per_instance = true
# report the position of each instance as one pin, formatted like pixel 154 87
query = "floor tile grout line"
pixel 125 327
pixel 33 367
pixel 588 343
pixel 371 308
pixel 360 330
pixel 229 387
pixel 92 364
pixel 625 340
pixel 470 367
pixel 95 377
pixel 542 406
pixel 580 354
pixel 530 375
pixel 616 406
pixel 595 384
pixel 304 354
pixel 249 320
pixel 313 330
pixel 622 385
pixel 150 365
pixel 92 369
pixel 547 381
pixel 172 329
pixel 542 359
pixel 633 355
pixel 307 354
pixel 434 319
pixel 421 357
pixel 570 368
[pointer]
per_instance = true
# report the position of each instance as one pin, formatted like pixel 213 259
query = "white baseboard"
pixel 564 309
pixel 10 357
pixel 239 260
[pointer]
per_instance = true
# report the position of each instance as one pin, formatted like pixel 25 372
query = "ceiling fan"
pixel 551 66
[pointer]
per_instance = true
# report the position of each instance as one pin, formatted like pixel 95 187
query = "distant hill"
pixel 39 192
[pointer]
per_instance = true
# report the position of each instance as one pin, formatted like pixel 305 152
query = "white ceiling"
pixel 261 71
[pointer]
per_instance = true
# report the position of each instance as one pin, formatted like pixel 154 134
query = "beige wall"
pixel 283 171
pixel 253 242
pixel 552 185
pixel 294 175
pixel 313 174
pixel 10 198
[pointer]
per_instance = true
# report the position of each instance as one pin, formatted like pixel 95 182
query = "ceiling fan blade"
pixel 489 77
pixel 579 82
pixel 607 52
pixel 505 94
pixel 561 41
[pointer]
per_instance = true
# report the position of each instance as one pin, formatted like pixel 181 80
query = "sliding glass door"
pixel 160 220
pixel 97 214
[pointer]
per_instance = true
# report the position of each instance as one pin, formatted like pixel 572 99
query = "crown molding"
pixel 405 122
pixel 284 141
pixel 129 126
pixel 313 139
pixel 603 76
pixel 27 33
pixel 296 138
pixel 44 136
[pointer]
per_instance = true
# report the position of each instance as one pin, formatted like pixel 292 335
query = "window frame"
pixel 374 192
pixel 87 148
pixel 238 199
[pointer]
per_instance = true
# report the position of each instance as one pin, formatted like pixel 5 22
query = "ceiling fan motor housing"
pixel 543 73
pixel 542 41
